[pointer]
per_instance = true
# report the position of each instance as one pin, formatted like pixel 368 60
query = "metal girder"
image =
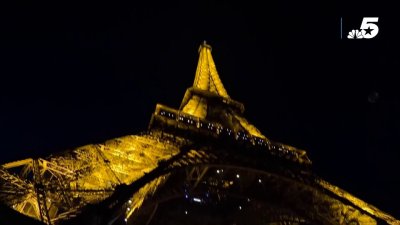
pixel 12 188
pixel 57 188
pixel 40 193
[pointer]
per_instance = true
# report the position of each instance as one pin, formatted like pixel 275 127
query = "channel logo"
pixel 368 29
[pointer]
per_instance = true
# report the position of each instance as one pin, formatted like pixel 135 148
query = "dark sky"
pixel 76 74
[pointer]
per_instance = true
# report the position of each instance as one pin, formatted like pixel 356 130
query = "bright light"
pixel 217 171
pixel 240 207
pixel 128 209
pixel 237 176
pixel 126 220
pixel 259 181
pixel 186 212
pixel 196 199
pixel 248 199
pixel 130 201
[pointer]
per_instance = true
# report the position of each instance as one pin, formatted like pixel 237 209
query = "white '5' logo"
pixel 369 28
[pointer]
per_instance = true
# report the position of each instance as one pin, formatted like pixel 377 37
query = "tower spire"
pixel 207 77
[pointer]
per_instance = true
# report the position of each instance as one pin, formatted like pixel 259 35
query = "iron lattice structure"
pixel 207 145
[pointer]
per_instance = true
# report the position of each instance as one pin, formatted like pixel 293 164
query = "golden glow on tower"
pixel 88 174
pixel 207 77
pixel 58 187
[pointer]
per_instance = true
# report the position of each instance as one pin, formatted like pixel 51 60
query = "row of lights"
pixel 239 135
pixel 128 209
pixel 211 126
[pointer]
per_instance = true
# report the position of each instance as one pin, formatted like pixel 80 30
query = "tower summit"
pixel 207 78
pixel 207 81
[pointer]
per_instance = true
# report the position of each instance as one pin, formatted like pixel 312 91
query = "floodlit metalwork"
pixel 55 188
pixel 201 153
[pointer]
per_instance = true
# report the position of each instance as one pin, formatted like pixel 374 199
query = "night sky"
pixel 77 74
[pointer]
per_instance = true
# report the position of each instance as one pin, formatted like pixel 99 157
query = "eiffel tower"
pixel 202 163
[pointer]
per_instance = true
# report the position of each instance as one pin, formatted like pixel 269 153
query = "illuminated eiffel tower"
pixel 202 163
